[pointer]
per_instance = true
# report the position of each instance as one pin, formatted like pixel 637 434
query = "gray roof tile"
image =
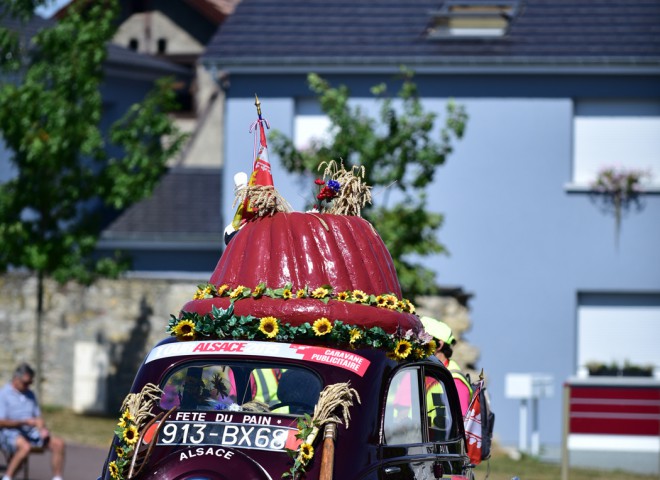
pixel 184 206
pixel 306 31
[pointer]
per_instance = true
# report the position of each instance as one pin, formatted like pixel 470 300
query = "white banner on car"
pixel 328 356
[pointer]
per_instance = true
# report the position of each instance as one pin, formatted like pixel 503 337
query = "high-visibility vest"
pixel 463 386
pixel 266 381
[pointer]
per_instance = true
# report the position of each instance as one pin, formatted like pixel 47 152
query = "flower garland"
pixel 223 324
pixel 136 410
pixel 127 436
pixel 324 293
pixel 305 451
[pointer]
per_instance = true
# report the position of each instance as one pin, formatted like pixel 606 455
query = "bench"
pixel 25 466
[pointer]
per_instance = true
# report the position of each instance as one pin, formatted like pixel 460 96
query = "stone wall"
pixel 96 337
pixel 109 327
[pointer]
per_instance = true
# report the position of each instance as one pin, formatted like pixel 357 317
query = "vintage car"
pixel 299 358
pixel 405 420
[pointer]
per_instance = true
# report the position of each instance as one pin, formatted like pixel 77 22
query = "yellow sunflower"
pixel 431 347
pixel 131 435
pixel 301 293
pixel 286 294
pixel 355 334
pixel 222 289
pixel 306 452
pixel 402 349
pixel 258 290
pixel 419 353
pixel 407 306
pixel 113 469
pixel 381 301
pixel 391 302
pixel 184 330
pixel 128 415
pixel 237 292
pixel 122 422
pixel 199 294
pixel 322 326
pixel 360 296
pixel 343 296
pixel 120 452
pixel 320 292
pixel 268 326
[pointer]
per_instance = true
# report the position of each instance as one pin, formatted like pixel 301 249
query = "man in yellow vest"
pixel 445 339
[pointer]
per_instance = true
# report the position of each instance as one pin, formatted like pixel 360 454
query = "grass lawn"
pixel 504 468
pixel 98 431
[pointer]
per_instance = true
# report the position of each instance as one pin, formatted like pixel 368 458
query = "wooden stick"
pixel 328 453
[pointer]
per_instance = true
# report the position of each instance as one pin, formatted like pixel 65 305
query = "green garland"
pixel 324 293
pixel 127 436
pixel 222 324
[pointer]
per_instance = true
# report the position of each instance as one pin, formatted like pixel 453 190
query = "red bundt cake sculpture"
pixel 341 254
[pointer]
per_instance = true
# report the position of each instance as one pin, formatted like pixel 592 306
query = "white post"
pixel 535 427
pixel 522 433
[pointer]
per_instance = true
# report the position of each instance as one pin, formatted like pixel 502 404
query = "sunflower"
pixel 258 290
pixel 355 334
pixel 410 308
pixel 391 302
pixel 268 326
pixel 199 294
pixel 128 415
pixel 343 296
pixel 431 347
pixel 120 452
pixel 320 292
pixel 419 352
pixel 381 301
pixel 306 452
pixel 402 349
pixel 322 326
pixel 286 294
pixel 122 423
pixel 237 292
pixel 360 296
pixel 184 330
pixel 131 435
pixel 301 293
pixel 113 469
pixel 222 289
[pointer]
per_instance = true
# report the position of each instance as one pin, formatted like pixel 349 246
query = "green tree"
pixel 399 152
pixel 50 121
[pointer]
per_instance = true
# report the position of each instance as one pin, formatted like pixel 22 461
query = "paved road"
pixel 82 463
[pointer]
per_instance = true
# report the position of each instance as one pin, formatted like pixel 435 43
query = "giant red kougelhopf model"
pixel 337 256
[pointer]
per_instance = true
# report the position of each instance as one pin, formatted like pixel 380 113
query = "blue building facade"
pixel 556 285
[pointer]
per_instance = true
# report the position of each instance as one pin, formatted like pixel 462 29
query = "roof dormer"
pixel 472 18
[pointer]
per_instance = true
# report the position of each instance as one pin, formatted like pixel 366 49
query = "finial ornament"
pixel 257 103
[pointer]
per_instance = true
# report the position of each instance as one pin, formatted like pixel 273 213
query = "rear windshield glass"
pixel 255 387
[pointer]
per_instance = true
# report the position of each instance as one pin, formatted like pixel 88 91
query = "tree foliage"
pixel 63 174
pixel 401 154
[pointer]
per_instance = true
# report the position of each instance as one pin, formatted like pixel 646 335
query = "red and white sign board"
pixel 327 356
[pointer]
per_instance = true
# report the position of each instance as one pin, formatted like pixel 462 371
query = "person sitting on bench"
pixel 21 425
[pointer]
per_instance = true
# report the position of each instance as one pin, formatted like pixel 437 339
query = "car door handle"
pixel 391 470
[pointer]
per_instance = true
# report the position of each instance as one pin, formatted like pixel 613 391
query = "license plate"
pixel 238 435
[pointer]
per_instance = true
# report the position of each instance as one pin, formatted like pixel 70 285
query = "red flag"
pixel 261 172
pixel 473 430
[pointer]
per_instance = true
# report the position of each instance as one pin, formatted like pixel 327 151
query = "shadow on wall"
pixel 127 358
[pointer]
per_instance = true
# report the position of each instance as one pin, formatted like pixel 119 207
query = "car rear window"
pixel 256 387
